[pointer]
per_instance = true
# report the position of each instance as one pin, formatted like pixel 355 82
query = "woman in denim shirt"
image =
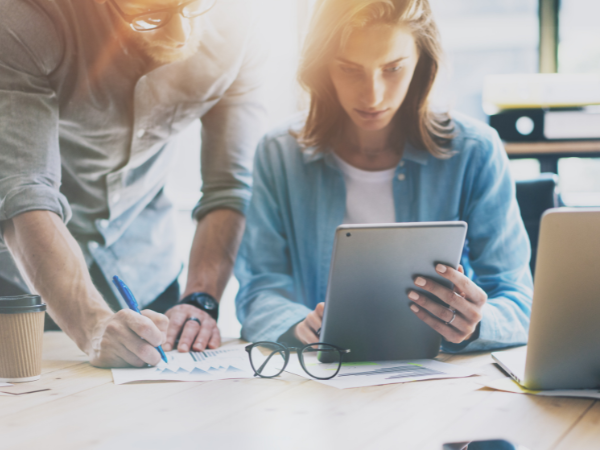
pixel 372 150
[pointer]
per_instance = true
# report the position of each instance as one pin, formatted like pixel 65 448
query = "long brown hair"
pixel 332 24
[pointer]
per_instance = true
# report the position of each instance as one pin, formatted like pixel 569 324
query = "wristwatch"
pixel 203 301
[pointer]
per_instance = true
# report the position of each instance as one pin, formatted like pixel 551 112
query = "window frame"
pixel 549 12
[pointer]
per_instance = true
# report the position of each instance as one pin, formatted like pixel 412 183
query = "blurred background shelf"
pixel 577 164
pixel 563 148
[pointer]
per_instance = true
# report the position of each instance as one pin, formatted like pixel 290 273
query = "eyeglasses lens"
pixel 198 7
pixel 321 360
pixel 268 359
pixel 150 21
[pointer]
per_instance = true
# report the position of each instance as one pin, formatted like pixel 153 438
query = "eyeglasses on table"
pixel 319 360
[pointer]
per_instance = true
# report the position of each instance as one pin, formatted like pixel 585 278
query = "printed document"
pixel 361 374
pixel 221 364
pixel 509 385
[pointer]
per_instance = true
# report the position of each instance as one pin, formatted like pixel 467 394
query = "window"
pixel 482 38
pixel 579 36
pixel 525 169
pixel 579 52
pixel 579 181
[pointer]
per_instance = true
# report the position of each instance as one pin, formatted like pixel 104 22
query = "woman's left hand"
pixel 459 321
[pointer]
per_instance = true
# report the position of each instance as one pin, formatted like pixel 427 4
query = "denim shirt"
pixel 299 199
pixel 86 121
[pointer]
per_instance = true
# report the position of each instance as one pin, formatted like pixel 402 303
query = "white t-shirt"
pixel 369 194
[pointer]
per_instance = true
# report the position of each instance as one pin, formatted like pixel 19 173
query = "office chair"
pixel 534 197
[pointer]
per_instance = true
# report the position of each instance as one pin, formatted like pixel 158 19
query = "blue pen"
pixel 132 304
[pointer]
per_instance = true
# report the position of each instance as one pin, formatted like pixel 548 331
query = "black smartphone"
pixel 492 444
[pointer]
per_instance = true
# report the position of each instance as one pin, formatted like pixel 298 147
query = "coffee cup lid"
pixel 19 304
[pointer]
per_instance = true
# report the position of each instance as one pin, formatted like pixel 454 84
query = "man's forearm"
pixel 214 250
pixel 53 266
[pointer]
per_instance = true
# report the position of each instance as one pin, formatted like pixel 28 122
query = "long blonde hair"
pixel 332 24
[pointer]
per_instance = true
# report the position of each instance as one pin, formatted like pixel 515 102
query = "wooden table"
pixel 84 410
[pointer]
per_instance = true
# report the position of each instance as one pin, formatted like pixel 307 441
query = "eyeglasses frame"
pixel 299 351
pixel 172 11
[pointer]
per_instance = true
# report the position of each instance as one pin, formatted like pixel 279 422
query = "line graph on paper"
pixel 210 365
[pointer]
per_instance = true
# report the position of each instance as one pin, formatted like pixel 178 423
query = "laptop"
pixel 564 335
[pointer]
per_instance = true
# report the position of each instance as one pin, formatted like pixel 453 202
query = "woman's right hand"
pixel 307 330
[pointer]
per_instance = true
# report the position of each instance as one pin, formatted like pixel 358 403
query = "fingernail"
pixel 441 268
pixel 414 308
pixel 167 347
pixel 413 295
pixel 420 281
pixel 183 348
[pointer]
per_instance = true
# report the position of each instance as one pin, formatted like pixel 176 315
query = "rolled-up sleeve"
pixel 266 302
pixel 499 250
pixel 230 133
pixel 30 168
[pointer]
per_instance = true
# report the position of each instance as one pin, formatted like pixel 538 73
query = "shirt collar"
pixel 312 154
pixel 415 155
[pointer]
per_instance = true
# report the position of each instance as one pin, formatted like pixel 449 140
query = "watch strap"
pixel 194 300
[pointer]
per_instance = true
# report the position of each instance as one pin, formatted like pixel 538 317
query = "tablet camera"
pixel 348 235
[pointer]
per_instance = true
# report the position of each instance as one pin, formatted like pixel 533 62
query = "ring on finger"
pixel 194 319
pixel 453 316
pixel 460 294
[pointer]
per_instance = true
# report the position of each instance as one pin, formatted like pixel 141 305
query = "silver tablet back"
pixel 564 335
pixel 372 269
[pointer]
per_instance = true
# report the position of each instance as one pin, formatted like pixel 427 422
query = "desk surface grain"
pixel 84 410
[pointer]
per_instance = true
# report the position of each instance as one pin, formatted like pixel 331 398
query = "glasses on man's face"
pixel 319 360
pixel 152 20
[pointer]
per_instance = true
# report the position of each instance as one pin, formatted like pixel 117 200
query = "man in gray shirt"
pixel 91 92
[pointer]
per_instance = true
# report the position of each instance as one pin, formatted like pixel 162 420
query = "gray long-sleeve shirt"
pixel 85 121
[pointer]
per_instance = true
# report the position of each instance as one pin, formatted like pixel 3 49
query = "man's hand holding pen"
pixel 127 338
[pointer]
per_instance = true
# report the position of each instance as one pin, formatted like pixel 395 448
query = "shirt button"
pixel 401 176
pixel 116 198
pixel 93 245
pixel 141 132
pixel 401 164
pixel 103 223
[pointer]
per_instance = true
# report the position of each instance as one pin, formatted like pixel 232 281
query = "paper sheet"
pixel 25 392
pixel 4 385
pixel 222 364
pixel 509 385
pixel 353 375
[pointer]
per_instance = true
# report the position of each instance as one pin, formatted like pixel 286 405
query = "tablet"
pixel 372 270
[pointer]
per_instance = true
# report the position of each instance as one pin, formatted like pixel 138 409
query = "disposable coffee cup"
pixel 21 336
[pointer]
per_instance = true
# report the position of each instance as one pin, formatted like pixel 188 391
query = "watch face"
pixel 207 302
